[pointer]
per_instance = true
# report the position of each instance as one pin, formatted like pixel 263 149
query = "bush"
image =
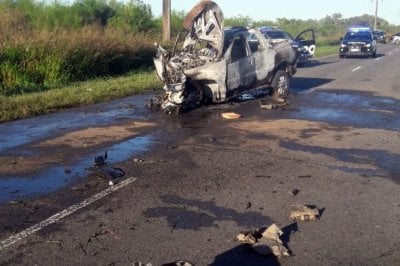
pixel 47 59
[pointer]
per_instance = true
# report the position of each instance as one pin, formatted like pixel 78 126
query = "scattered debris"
pixel 245 97
pixel 231 115
pixel 265 241
pixel 247 237
pixel 248 205
pixel 178 263
pixel 304 213
pixel 154 103
pixel 252 94
pixel 100 160
pixel 276 103
pixel 305 176
pixel 295 192
pixel 21 202
pixel 136 160
pixel 97 234
pixel 107 172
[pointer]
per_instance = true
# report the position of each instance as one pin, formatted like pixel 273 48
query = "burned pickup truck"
pixel 216 64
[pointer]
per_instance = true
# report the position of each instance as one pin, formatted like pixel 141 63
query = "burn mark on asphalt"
pixel 189 214
pixel 385 161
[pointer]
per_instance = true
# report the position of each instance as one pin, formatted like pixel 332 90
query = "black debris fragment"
pixel 100 160
pixel 295 192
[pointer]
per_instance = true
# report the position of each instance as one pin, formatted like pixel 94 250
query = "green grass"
pixel 324 50
pixel 77 94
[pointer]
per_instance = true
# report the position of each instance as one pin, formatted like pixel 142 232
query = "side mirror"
pixel 341 38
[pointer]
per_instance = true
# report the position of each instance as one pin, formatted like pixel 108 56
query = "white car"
pixel 395 38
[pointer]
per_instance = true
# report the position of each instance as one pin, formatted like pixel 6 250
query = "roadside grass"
pixel 76 94
pixel 323 50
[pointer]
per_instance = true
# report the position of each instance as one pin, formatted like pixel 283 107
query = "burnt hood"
pixel 205 22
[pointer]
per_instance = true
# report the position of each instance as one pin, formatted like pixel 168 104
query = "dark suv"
pixel 380 36
pixel 358 42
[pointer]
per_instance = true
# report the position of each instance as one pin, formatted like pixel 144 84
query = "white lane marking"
pixel 379 58
pixel 56 217
pixel 389 53
pixel 357 68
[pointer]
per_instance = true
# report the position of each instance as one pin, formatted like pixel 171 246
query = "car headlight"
pixel 367 45
pixel 343 45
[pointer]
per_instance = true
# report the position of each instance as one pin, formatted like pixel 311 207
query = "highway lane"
pixel 206 179
pixel 364 74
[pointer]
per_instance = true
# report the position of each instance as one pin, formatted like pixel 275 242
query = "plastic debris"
pixel 304 213
pixel 231 115
pixel 265 241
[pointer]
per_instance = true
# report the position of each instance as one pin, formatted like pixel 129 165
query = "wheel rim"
pixel 282 86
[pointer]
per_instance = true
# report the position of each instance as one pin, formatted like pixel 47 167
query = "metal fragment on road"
pixel 304 213
pixel 247 238
pixel 265 241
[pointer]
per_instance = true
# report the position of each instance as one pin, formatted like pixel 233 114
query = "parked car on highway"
pixel 358 41
pixel 216 64
pixel 380 36
pixel 304 42
pixel 395 38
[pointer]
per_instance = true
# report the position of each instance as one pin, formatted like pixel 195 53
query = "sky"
pixel 306 9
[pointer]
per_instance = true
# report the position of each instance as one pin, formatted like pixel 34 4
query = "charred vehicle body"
pixel 217 63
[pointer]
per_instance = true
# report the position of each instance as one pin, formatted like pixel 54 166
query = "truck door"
pixel 241 65
pixel 307 40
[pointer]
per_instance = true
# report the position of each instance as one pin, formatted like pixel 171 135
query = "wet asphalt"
pixel 203 179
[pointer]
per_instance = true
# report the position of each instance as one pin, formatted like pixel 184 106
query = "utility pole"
pixel 166 21
pixel 376 14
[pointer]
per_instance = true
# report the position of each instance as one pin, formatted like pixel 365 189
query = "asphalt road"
pixel 193 182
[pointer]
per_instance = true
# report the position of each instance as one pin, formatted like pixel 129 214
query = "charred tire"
pixel 193 98
pixel 280 85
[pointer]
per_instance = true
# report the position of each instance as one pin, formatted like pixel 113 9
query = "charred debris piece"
pixel 304 213
pixel 100 160
pixel 105 171
pixel 265 241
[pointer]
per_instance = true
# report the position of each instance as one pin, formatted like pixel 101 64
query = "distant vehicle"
pixel 304 42
pixel 395 38
pixel 358 41
pixel 380 36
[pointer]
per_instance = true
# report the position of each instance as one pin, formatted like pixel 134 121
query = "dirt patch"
pixel 93 136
